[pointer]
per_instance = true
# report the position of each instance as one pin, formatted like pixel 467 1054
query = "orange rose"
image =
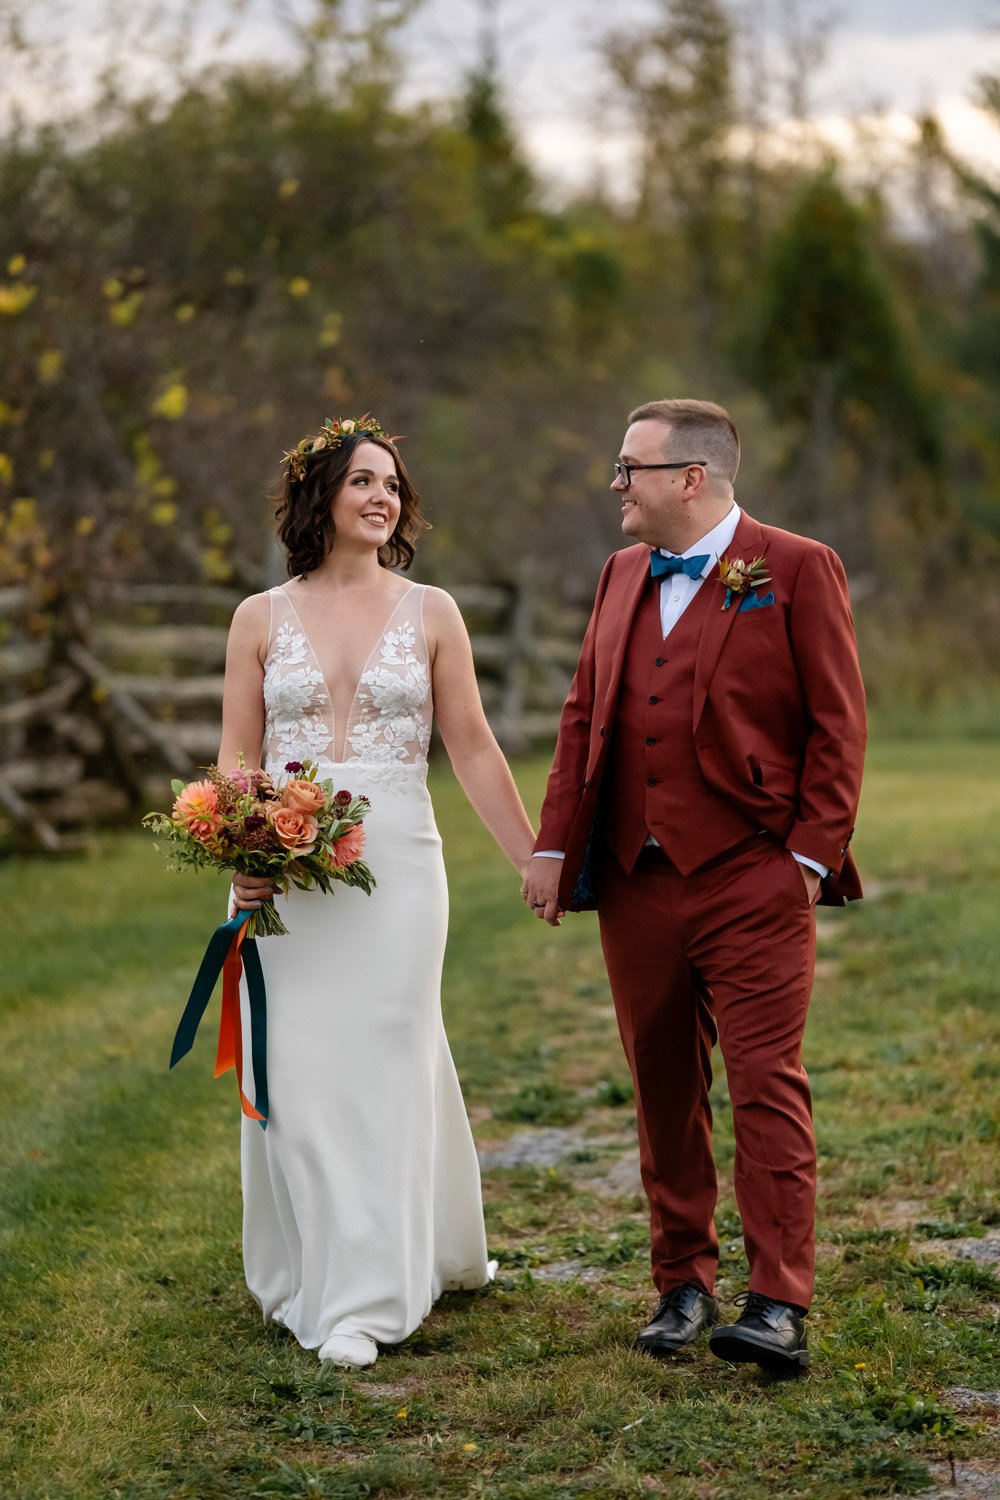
pixel 197 809
pixel 349 848
pixel 295 830
pixel 306 797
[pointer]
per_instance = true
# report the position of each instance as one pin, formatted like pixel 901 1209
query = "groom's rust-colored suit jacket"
pixel 778 713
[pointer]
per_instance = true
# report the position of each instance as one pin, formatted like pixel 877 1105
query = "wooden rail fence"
pixel 110 693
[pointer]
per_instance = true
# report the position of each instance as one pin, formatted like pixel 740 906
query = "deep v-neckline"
pixel 378 643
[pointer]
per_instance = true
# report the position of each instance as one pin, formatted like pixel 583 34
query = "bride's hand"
pixel 250 890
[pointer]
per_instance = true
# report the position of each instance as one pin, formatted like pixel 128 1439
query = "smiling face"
pixel 656 505
pixel 367 505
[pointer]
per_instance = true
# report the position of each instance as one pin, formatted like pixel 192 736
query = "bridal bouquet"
pixel 301 832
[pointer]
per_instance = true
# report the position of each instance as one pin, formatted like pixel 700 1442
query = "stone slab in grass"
pixel 568 1270
pixel 964 1399
pixel 535 1148
pixel 985 1251
pixel 971 1479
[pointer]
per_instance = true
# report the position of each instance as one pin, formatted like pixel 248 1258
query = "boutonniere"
pixel 737 576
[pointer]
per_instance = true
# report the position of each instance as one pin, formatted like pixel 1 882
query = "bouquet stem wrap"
pixel 229 952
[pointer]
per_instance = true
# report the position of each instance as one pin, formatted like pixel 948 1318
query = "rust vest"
pixel 653 782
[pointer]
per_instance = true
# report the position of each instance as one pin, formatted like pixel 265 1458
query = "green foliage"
pixel 137 1366
pixel 192 280
pixel 826 333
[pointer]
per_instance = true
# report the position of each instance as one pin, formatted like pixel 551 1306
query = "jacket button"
pixel 654 700
pixel 660 661
pixel 650 740
pixel 651 781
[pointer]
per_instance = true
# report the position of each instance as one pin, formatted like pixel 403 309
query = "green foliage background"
pixel 190 280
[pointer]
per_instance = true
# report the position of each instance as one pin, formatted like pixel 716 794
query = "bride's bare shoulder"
pixel 252 618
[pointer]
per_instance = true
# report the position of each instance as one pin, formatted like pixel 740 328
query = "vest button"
pixel 660 661
pixel 651 781
pixel 650 740
pixel 654 700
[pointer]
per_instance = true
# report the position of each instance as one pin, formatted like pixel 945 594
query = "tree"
pixel 676 79
pixel 825 336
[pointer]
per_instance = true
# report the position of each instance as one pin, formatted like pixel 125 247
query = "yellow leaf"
pixel 113 288
pixel 299 286
pixel 124 313
pixel 85 525
pixel 14 299
pixel 470 1447
pixel 330 332
pixel 185 312
pixel 171 403
pixel 289 187
pixel 164 487
pixel 16 265
pixel 50 365
pixel 163 513
pixel 6 468
pixel 402 1414
pixel 235 276
pixel 214 566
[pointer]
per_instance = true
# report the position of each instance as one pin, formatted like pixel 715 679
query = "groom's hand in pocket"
pixel 540 887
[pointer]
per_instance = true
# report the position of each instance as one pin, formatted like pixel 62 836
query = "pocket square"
pixel 751 601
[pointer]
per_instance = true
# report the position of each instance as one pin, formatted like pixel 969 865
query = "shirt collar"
pixel 714 542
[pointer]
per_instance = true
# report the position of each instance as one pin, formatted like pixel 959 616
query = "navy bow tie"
pixel 660 566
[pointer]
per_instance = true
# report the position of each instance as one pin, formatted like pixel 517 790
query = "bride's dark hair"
pixel 304 508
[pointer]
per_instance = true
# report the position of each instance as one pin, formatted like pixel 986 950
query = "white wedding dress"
pixel 362 1198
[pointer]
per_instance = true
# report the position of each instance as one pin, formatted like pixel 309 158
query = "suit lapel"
pixel 748 542
pixel 633 578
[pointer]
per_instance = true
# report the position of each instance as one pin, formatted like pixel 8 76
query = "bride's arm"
pixel 243 694
pixel 243 712
pixel 475 756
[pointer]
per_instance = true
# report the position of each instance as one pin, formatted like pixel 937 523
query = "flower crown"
pixel 330 436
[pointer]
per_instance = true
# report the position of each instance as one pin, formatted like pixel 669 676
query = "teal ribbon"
pixel 209 970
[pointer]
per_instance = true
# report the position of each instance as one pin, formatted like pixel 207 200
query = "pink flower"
pixel 304 797
pixel 295 830
pixel 349 848
pixel 241 779
pixel 197 809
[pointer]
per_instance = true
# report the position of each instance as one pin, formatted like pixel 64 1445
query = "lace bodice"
pixel 388 729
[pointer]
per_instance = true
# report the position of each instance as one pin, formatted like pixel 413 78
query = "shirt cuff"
pixel 821 870
pixel 549 854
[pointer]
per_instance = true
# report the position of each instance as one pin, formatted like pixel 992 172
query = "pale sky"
pixel 898 56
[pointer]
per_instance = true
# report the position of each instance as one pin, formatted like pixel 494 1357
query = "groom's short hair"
pixel 696 424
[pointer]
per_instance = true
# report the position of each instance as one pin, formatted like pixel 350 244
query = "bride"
pixel 362 1199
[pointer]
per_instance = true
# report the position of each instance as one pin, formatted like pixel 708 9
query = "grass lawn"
pixel 135 1365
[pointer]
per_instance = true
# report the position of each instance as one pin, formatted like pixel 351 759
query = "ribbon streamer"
pixel 227 953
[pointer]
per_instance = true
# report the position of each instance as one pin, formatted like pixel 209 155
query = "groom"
pixel 703 796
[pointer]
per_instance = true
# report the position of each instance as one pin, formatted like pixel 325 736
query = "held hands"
pixel 540 888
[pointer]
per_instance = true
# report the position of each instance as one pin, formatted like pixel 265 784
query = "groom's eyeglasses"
pixel 627 470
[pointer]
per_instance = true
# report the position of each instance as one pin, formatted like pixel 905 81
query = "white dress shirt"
pixel 676 592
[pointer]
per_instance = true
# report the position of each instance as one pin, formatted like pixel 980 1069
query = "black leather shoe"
pixel 767 1333
pixel 683 1313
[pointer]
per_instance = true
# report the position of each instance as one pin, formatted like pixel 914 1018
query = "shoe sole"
pixel 662 1349
pixel 744 1350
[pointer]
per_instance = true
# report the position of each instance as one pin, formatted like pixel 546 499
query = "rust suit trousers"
pixel 725 952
